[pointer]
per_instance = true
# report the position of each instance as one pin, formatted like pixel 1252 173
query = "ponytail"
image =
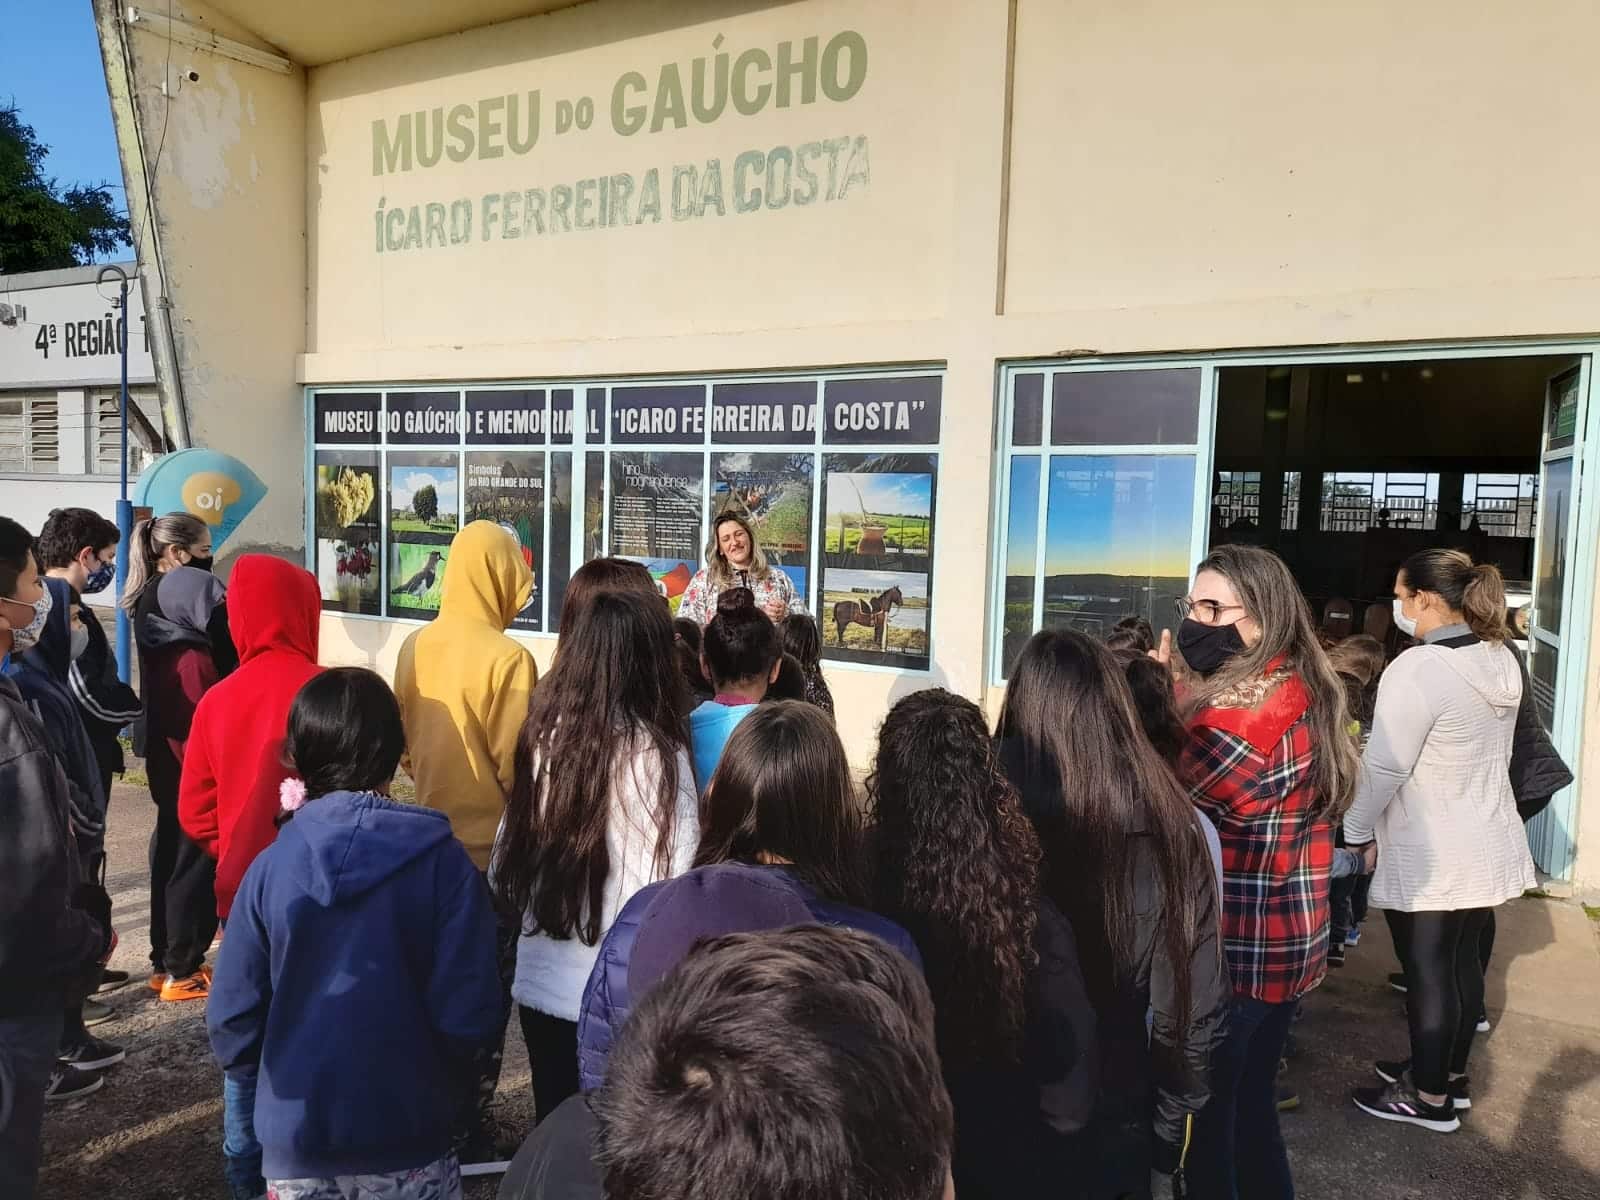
pixel 151 539
pixel 1483 603
pixel 1475 590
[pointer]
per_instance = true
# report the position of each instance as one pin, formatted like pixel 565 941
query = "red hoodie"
pixel 234 762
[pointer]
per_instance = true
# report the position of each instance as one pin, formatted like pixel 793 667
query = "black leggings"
pixel 552 1056
pixel 1444 980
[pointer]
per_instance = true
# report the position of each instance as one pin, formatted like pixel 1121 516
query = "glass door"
pixel 1556 628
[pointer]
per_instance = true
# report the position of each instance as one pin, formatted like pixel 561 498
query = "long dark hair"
pixel 958 866
pixel 602 575
pixel 783 790
pixel 1475 590
pixel 1155 701
pixel 345 733
pixel 613 691
pixel 1271 597
pixel 1091 780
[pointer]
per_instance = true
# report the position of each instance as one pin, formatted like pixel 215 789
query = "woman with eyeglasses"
pixel 1269 760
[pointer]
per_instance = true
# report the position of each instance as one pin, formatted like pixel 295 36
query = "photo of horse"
pixel 883 612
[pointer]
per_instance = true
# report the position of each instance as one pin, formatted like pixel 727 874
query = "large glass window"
pixel 837 474
pixel 1099 519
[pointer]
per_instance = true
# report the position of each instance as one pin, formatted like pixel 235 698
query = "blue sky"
pixel 896 494
pixel 50 69
pixel 406 482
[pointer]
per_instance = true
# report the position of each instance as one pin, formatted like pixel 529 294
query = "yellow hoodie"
pixel 464 687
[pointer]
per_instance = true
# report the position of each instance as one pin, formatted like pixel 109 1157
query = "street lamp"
pixel 124 506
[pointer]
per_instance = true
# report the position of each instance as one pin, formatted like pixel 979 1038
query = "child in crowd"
pixel 41 675
pixel 803 639
pixel 1359 661
pixel 228 794
pixel 783 804
pixel 958 864
pixel 793 1062
pixel 742 658
pixel 686 645
pixel 79 547
pixel 357 983
pixel 604 803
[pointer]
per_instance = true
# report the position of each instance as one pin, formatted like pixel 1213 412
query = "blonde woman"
pixel 734 558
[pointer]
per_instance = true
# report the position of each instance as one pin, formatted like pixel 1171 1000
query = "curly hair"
pixel 958 866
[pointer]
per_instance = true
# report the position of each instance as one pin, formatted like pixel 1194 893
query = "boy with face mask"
pixel 51 952
pixel 79 547
pixel 41 675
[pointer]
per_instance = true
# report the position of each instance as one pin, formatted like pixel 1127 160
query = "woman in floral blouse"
pixel 734 559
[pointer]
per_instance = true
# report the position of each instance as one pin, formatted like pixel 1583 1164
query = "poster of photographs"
pixel 656 518
pixel 507 487
pixel 875 602
pixel 424 514
pixel 346 520
pixel 773 493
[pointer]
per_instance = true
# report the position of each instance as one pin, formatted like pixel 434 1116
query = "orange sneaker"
pixel 189 987
pixel 158 980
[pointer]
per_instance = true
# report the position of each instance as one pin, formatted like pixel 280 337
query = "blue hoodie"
pixel 710 726
pixel 358 977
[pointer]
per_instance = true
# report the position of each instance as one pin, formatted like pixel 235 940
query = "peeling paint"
pixel 206 128
pixel 255 168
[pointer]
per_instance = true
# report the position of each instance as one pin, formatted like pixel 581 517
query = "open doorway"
pixel 1345 469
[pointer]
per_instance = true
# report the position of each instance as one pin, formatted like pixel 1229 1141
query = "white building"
pixel 60 378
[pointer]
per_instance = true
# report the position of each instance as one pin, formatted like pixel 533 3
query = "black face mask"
pixel 201 564
pixel 1207 647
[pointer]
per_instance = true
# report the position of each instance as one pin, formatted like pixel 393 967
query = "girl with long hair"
pixel 180 626
pixel 603 803
pixel 1125 860
pixel 1270 760
pixel 782 801
pixel 1436 796
pixel 958 864
pixel 735 559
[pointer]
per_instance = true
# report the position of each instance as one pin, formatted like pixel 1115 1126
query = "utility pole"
pixel 124 505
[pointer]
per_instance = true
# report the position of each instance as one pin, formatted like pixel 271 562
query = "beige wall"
pixel 1182 177
pixel 226 159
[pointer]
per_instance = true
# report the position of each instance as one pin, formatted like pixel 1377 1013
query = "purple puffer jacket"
pixel 607 1001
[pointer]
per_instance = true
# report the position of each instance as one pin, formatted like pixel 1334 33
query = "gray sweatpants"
pixel 27 1054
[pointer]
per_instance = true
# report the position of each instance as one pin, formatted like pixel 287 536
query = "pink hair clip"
pixel 292 794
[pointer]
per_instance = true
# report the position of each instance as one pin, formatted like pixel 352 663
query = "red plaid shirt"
pixel 1248 769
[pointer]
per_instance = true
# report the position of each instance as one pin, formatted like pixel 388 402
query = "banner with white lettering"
pixel 346 419
pixel 673 415
pixel 507 418
pixel 900 411
pixel 424 418
pixel 781 413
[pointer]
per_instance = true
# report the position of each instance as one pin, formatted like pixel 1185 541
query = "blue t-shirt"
pixel 709 728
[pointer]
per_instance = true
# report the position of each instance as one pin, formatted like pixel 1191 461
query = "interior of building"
pixel 1346 470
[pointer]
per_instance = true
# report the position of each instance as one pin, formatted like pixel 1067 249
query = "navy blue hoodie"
pixel 358 981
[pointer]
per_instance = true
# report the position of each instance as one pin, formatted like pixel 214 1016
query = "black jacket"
pixel 1150 1080
pixel 1019 1126
pixel 41 675
pixel 1537 769
pixel 108 705
pixel 49 951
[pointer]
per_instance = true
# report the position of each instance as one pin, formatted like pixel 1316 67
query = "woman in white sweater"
pixel 603 803
pixel 1435 794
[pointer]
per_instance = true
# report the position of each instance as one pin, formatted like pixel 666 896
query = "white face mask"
pixel 1406 625
pixel 26 637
